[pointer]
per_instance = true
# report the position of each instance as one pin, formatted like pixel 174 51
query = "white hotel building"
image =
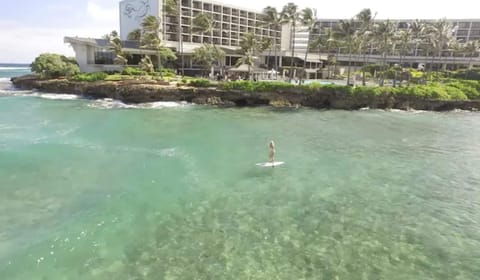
pixel 231 23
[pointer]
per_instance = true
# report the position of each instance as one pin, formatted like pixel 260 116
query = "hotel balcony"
pixel 196 39
pixel 207 7
pixel 197 5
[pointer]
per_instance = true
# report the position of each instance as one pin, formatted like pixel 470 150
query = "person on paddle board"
pixel 271 154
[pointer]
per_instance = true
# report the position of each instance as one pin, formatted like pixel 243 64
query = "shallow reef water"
pixel 98 190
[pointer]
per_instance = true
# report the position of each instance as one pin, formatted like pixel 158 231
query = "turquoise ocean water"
pixel 101 190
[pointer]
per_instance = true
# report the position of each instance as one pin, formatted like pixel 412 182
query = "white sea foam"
pixel 55 96
pixel 162 104
pixel 3 80
pixel 14 68
pixel 109 103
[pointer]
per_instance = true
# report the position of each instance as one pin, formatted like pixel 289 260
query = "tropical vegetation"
pixel 49 65
pixel 356 40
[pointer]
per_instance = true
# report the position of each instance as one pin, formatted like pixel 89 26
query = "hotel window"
pixel 464 25
pixel 104 56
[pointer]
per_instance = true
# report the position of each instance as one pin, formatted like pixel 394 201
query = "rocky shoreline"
pixel 134 92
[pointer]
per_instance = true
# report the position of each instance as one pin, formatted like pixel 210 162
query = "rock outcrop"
pixel 328 98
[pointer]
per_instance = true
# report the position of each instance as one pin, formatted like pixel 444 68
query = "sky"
pixel 31 27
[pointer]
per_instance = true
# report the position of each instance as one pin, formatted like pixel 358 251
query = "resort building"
pixel 464 30
pixel 231 23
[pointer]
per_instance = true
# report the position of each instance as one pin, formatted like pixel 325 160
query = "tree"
pixel 151 40
pixel 50 65
pixel 249 45
pixel 472 48
pixel 308 19
pixel 274 20
pixel 384 33
pixel 456 48
pixel 366 24
pixel 329 43
pixel 116 47
pixel 440 33
pixel 207 55
pixel 266 44
pixel 404 39
pixel 204 23
pixel 173 8
pixel 146 64
pixel 418 35
pixel 292 16
pixel 346 32
pixel 107 37
pixel 135 35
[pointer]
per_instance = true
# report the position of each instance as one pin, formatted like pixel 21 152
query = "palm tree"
pixel 204 23
pixel 331 44
pixel 440 34
pixel 384 33
pixel 146 64
pixel 472 48
pixel 207 55
pixel 418 33
pixel 135 35
pixel 274 20
pixel 291 15
pixel 308 19
pixel 249 45
pixel 117 47
pixel 151 40
pixel 404 39
pixel 346 32
pixel 266 44
pixel 456 47
pixel 173 8
pixel 366 23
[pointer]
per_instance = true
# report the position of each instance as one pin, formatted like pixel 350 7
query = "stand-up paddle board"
pixel 270 164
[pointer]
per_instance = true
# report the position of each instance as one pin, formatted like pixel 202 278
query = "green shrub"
pixel 332 88
pixel 90 77
pixel 118 77
pixel 200 83
pixel 261 86
pixel 455 93
pixel 54 65
pixel 470 88
pixel 365 91
pixel 167 72
pixel 131 71
pixel 373 68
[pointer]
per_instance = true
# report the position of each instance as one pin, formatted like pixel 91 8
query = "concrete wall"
pixel 286 43
pixel 132 13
